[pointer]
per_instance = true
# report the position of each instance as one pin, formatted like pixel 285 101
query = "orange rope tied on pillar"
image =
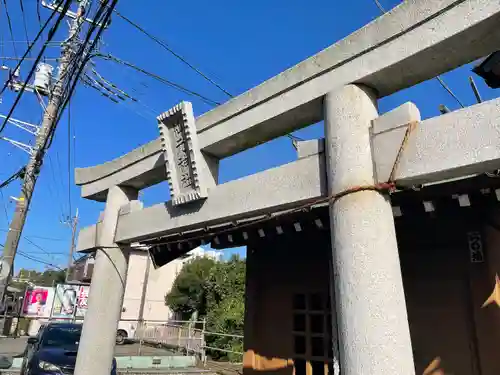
pixel 411 127
pixel 383 187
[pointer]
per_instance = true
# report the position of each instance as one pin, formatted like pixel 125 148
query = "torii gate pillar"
pixel 97 344
pixel 373 331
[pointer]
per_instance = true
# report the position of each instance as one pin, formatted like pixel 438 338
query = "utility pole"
pixel 74 225
pixel 144 288
pixel 68 54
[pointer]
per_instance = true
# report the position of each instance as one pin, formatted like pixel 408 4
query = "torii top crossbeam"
pixel 413 42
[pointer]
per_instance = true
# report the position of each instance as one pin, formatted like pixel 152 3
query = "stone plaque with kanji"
pixel 182 154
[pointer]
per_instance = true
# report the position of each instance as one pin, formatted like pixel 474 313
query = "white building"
pixel 142 278
pixel 145 289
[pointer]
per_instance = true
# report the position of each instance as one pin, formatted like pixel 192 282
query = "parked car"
pixel 121 337
pixel 125 332
pixel 53 350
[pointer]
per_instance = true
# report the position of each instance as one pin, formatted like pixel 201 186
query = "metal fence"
pixel 162 338
pixel 225 350
pixel 188 336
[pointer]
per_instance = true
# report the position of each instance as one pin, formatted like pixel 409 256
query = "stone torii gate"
pixel 361 154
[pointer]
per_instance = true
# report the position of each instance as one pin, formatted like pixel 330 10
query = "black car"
pixel 53 351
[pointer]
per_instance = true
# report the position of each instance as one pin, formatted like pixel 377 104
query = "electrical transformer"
pixel 43 78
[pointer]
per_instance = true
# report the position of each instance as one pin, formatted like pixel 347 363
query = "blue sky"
pixel 238 44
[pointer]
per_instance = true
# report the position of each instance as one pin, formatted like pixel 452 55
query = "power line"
pixel 39 17
pixel 160 79
pixel 109 94
pixel 169 83
pixel 445 86
pixel 60 169
pixel 69 159
pixel 439 79
pixel 169 49
pixel 9 23
pixel 28 58
pixel 47 238
pixel 124 71
pixel 76 71
pixel 73 127
pixel 36 245
pixel 39 34
pixel 113 86
pixel 71 58
pixel 54 196
pixel 24 21
pixel 53 43
pixel 38 237
pixel 1 44
pixel 379 5
pixel 25 255
pixel 52 253
pixel 13 177
pixel 294 138
pixel 89 82
pixel 32 71
pixel 4 206
pixel 475 90
pixel 112 89
pixel 56 185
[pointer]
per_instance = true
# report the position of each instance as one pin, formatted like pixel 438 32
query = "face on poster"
pixel 38 302
pixel 64 301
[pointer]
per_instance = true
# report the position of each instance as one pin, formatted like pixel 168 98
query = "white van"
pixel 126 331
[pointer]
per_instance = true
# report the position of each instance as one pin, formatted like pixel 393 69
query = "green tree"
pixel 47 278
pixel 51 277
pixel 216 290
pixel 188 292
pixel 225 295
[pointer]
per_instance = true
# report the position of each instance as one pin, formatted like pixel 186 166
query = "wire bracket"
pixel 55 7
pixel 26 126
pixel 26 148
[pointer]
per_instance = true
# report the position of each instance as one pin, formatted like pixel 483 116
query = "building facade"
pixel 142 277
pixel 146 286
pixel 449 258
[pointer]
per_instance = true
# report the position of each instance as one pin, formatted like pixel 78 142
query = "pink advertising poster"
pixel 38 302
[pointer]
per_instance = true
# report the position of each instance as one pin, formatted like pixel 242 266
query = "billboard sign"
pixel 38 302
pixel 70 301
pixel 83 298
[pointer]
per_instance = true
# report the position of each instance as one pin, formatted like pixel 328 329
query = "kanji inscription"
pixel 181 157
pixel 475 247
pixel 182 154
